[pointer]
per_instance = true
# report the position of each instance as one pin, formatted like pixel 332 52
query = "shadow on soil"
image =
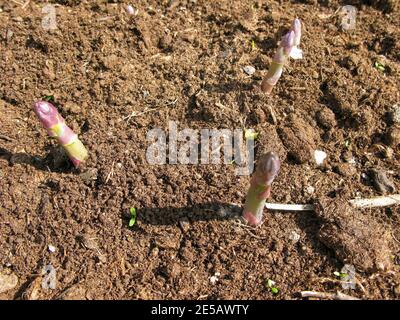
pixel 55 161
pixel 200 212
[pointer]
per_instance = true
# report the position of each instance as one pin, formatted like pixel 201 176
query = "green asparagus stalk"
pixel 260 188
pixel 288 47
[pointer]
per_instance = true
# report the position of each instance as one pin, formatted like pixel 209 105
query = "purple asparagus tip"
pixel 46 112
pixel 267 169
pixel 269 166
pixel 287 41
pixel 297 31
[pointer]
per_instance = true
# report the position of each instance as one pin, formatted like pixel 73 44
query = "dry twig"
pixel 327 295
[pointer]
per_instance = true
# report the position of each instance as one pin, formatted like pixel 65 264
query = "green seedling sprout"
pixel 272 287
pixel 48 98
pixel 249 134
pixel 340 275
pixel 379 66
pixel 253 44
pixel 132 220
pixel 347 144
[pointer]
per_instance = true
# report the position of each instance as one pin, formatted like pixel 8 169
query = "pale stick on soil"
pixel 290 207
pixel 382 201
pixel 326 295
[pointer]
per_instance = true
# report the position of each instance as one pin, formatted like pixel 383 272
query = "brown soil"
pixel 182 60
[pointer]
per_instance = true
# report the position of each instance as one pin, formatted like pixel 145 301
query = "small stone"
pixel 8 280
pixel 393 136
pixel 310 189
pixel 395 114
pixel 18 19
pixel 154 252
pixel 89 175
pixel 184 224
pixel 249 70
pixel 381 181
pixel 365 177
pixel 348 157
pixel 9 35
pixel 51 248
pixel 319 157
pixel 165 41
pixel 388 153
pixel 294 236
pixel 213 280
pixel 131 10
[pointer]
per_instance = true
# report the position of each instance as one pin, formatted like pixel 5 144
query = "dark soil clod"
pixel 355 237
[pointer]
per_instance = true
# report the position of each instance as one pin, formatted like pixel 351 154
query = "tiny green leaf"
pixel 270 283
pixel 249 134
pixel 340 274
pixel 48 98
pixel 132 221
pixel 274 290
pixel 379 66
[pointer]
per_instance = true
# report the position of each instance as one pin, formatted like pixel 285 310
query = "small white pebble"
pixel 119 165
pixel 310 189
pixel 319 157
pixel 395 113
pixel 52 248
pixel 249 70
pixel 352 160
pixel 213 279
pixel 131 10
pixel 294 236
pixel 364 176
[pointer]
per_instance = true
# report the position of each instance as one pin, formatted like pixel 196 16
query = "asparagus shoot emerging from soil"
pixel 288 47
pixel 55 125
pixel 260 187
